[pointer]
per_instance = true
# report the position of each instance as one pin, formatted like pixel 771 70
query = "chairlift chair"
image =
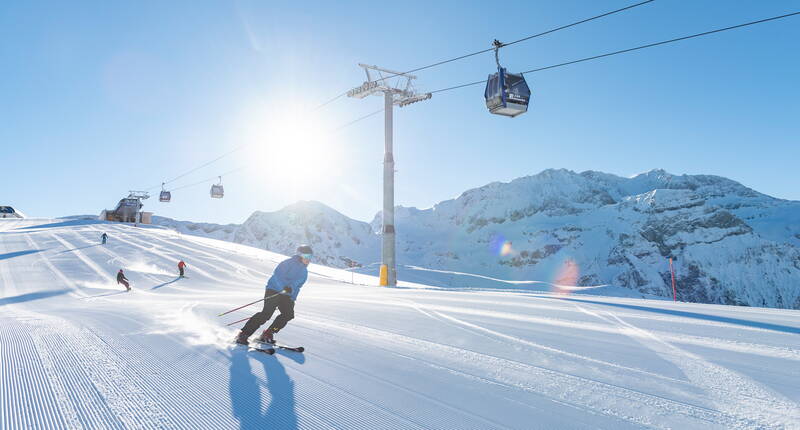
pixel 165 195
pixel 217 191
pixel 506 93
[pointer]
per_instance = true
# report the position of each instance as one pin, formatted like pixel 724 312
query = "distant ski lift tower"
pixel 401 94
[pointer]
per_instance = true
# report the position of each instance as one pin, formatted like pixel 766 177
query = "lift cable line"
pixel 649 45
pixel 483 51
pixel 358 119
pixel 240 168
pixel 331 100
pixel 207 180
pixel 239 148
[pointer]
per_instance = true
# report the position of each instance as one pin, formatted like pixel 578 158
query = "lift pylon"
pixel 401 94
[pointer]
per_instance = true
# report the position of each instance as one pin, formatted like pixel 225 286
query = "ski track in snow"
pixel 102 274
pixel 376 358
pixel 725 344
pixel 168 255
pixel 239 270
pixel 61 277
pixel 623 314
pixel 730 392
pixel 583 392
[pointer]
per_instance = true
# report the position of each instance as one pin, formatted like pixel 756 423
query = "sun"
pixel 290 147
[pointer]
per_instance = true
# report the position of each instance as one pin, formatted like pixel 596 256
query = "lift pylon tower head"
pixel 401 94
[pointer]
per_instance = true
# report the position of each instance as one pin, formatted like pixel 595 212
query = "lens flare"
pixel 566 277
pixel 499 245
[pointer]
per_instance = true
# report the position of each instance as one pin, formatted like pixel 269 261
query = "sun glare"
pixel 292 149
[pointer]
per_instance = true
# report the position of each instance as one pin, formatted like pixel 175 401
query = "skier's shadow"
pixel 246 388
pixel 166 283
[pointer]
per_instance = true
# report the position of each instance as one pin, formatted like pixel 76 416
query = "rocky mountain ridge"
pixel 729 243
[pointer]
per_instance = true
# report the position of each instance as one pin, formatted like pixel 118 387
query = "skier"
pixel 104 238
pixel 282 290
pixel 181 266
pixel 121 279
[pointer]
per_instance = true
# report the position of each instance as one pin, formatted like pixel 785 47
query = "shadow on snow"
pixel 31 296
pixel 246 389
pixel 79 248
pixel 166 283
pixel 19 253
pixel 104 294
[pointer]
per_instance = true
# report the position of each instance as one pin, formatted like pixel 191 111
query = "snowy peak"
pixel 336 239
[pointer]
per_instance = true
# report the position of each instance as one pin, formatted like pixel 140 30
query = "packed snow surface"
pixel 76 351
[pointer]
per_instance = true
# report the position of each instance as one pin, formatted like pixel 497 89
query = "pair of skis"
pixel 269 348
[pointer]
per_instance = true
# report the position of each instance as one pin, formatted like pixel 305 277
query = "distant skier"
pixel 121 279
pixel 104 238
pixel 282 290
pixel 181 266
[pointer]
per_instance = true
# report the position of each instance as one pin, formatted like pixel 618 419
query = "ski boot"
pixel 266 336
pixel 241 339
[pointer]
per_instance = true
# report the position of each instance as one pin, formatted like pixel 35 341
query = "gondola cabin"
pixel 507 94
pixel 165 196
pixel 217 192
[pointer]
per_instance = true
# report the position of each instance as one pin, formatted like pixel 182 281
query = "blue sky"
pixel 99 98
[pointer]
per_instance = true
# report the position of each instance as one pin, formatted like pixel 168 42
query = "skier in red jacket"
pixel 181 266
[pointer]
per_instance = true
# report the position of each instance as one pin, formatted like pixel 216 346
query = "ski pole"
pixel 240 307
pixel 235 322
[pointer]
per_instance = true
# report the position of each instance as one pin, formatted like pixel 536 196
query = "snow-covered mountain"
pixel 730 244
pixel 337 240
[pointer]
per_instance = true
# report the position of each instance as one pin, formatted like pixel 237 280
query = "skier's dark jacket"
pixel 290 273
pixel 120 277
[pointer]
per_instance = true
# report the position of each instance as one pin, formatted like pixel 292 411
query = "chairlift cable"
pixel 622 51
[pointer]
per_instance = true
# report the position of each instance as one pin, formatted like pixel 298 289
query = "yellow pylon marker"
pixel 384 281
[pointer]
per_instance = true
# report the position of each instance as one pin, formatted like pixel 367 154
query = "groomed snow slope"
pixel 77 352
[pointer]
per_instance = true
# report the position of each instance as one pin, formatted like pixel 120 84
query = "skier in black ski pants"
pixel 282 290
pixel 121 279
